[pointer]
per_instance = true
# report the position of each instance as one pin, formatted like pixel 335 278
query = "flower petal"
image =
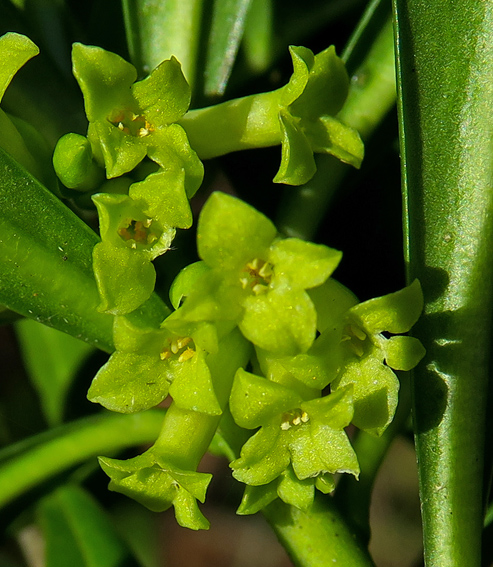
pixel 281 321
pixel 305 264
pixel 164 95
pixel 249 233
pixel 129 383
pixel 254 401
pixel 263 457
pixel 396 312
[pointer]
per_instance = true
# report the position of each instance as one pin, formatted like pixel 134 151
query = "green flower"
pixel 134 231
pixel 309 103
pixel 370 356
pixel 158 485
pixel 130 120
pixel 255 279
pixel 149 363
pixel 308 435
pixel 300 116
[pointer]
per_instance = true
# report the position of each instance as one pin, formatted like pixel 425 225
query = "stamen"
pixel 186 355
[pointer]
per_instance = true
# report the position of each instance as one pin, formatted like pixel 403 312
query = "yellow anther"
pixel 165 354
pixel 253 265
pixel 297 420
pixel 304 417
pixel 259 289
pixel 174 346
pixel 183 342
pixel 285 425
pixel 244 282
pixel 265 271
pixel 186 355
pixel 142 132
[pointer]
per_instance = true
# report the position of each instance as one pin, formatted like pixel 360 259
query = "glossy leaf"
pixel 445 67
pixel 46 268
pixel 78 532
pixel 228 21
pixel 157 31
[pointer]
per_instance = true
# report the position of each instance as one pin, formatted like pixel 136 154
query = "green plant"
pixel 243 344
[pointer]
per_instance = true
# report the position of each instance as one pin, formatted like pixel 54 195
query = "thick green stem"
pixel 186 435
pixel 239 124
pixel 371 96
pixel 69 445
pixel 317 538
pixel 445 54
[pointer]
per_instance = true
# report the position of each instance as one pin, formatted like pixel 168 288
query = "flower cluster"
pixel 321 362
pixel 134 138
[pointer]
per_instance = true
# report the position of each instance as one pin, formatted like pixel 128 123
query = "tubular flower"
pixel 307 435
pixel 149 363
pixel 369 356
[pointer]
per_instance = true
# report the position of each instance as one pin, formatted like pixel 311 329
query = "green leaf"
pixel 42 457
pixel 52 359
pixel 46 267
pixel 258 40
pixel 157 31
pixel 46 270
pixel 77 531
pixel 228 21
